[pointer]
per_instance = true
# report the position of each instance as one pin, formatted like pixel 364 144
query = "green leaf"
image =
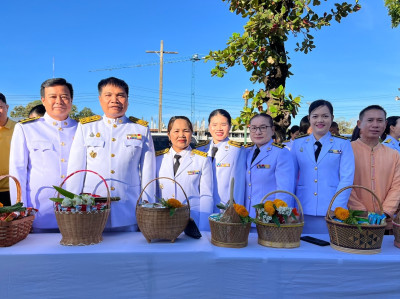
pixel 276 220
pixel 64 192
pixel 259 206
pixel 221 206
pixel 56 199
pixel 172 211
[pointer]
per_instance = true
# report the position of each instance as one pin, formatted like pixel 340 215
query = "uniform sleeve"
pixel 19 160
pixel 392 200
pixel 206 194
pixel 77 161
pixel 293 153
pixel 148 168
pixel 284 176
pixel 346 174
pixel 239 173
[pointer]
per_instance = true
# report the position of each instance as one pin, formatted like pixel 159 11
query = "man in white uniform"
pixel 39 152
pixel 118 148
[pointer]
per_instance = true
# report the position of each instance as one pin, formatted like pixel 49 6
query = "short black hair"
pixel 54 82
pixel 318 103
pixel 371 107
pixel 3 98
pixel 391 121
pixel 334 125
pixel 267 116
pixel 223 113
pixel 38 109
pixel 174 118
pixel 294 129
pixel 304 125
pixel 115 82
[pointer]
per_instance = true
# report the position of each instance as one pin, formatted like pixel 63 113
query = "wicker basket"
pixel 348 238
pixel 82 228
pixel 287 235
pixel 14 231
pixel 396 230
pixel 156 223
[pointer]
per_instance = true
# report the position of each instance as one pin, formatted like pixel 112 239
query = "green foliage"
pixel 64 193
pixel 354 218
pixel 17 207
pixel 345 126
pixel 393 11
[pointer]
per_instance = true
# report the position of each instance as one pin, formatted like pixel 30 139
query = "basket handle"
pixel 87 170
pixel 349 187
pixel 290 193
pixel 141 193
pixel 16 183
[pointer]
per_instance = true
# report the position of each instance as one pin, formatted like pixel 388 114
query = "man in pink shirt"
pixel 377 166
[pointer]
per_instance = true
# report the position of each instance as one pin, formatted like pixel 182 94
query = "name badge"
pixel 223 165
pixel 134 136
pixel 335 151
pixel 192 172
pixel 263 166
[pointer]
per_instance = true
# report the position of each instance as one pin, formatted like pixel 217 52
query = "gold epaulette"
pixel 286 141
pixel 27 120
pixel 280 145
pixel 301 136
pixel 89 119
pixel 202 143
pixel 341 137
pixel 250 144
pixel 162 152
pixel 200 153
pixel 235 143
pixel 387 141
pixel 138 121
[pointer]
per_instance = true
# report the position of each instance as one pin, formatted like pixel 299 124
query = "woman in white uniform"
pixel 324 164
pixel 189 167
pixel 392 133
pixel 269 165
pixel 228 159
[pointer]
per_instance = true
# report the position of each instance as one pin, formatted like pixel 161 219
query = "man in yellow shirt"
pixel 6 131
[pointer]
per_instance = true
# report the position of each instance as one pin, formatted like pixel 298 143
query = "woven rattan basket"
pixel 348 238
pixel 396 230
pixel 82 228
pixel 287 235
pixel 156 223
pixel 14 231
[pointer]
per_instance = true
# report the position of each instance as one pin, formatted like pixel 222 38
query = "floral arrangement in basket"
pixel 276 211
pixel 227 215
pixel 15 212
pixel 349 216
pixel 172 204
pixel 77 203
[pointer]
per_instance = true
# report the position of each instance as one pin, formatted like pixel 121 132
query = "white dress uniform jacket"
pixel 392 143
pixel 229 162
pixel 319 181
pixel 195 176
pixel 271 170
pixel 121 151
pixel 39 156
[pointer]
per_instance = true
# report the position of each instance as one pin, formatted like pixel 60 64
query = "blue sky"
pixel 356 63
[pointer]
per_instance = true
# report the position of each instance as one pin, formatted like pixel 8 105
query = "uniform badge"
pixel 93 154
pixel 333 151
pixel 91 135
pixel 223 165
pixel 301 149
pixel 134 136
pixel 98 135
pixel 161 186
pixel 263 166
pixel 192 172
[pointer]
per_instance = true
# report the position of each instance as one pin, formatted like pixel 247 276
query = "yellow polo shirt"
pixel 5 141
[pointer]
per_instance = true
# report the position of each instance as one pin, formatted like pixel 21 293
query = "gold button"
pixel 60 129
pixel 249 184
pixel 62 160
pixel 114 125
pixel 316 168
pixel 54 123
pixel 112 188
pixel 109 121
pixel 249 171
pixel 120 121
pixel 112 155
pixel 62 143
pixel 113 139
pixel 249 197
pixel 315 193
pixel 112 171
pixel 315 181
pixel 65 123
pixel 63 176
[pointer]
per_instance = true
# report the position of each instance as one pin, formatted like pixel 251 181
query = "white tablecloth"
pixel 124 265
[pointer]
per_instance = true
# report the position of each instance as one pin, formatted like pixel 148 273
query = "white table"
pixel 124 265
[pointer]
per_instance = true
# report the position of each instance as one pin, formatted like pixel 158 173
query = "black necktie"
pixel 256 152
pixel 176 164
pixel 318 150
pixel 214 150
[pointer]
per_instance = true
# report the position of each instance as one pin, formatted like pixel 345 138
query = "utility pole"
pixel 194 58
pixel 161 54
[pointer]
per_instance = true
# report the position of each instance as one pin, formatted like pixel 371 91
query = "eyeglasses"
pixel 261 128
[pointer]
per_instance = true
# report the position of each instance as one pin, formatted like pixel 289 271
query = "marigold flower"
pixel 269 207
pixel 341 213
pixel 174 203
pixel 1 205
pixel 279 203
pixel 241 210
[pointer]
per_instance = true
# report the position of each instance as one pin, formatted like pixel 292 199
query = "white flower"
pixel 78 200
pixel 285 211
pixel 67 202
pixel 87 199
pixel 263 216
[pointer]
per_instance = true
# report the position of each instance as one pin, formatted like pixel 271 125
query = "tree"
pixel 346 126
pixel 261 50
pixel 85 112
pixel 394 11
